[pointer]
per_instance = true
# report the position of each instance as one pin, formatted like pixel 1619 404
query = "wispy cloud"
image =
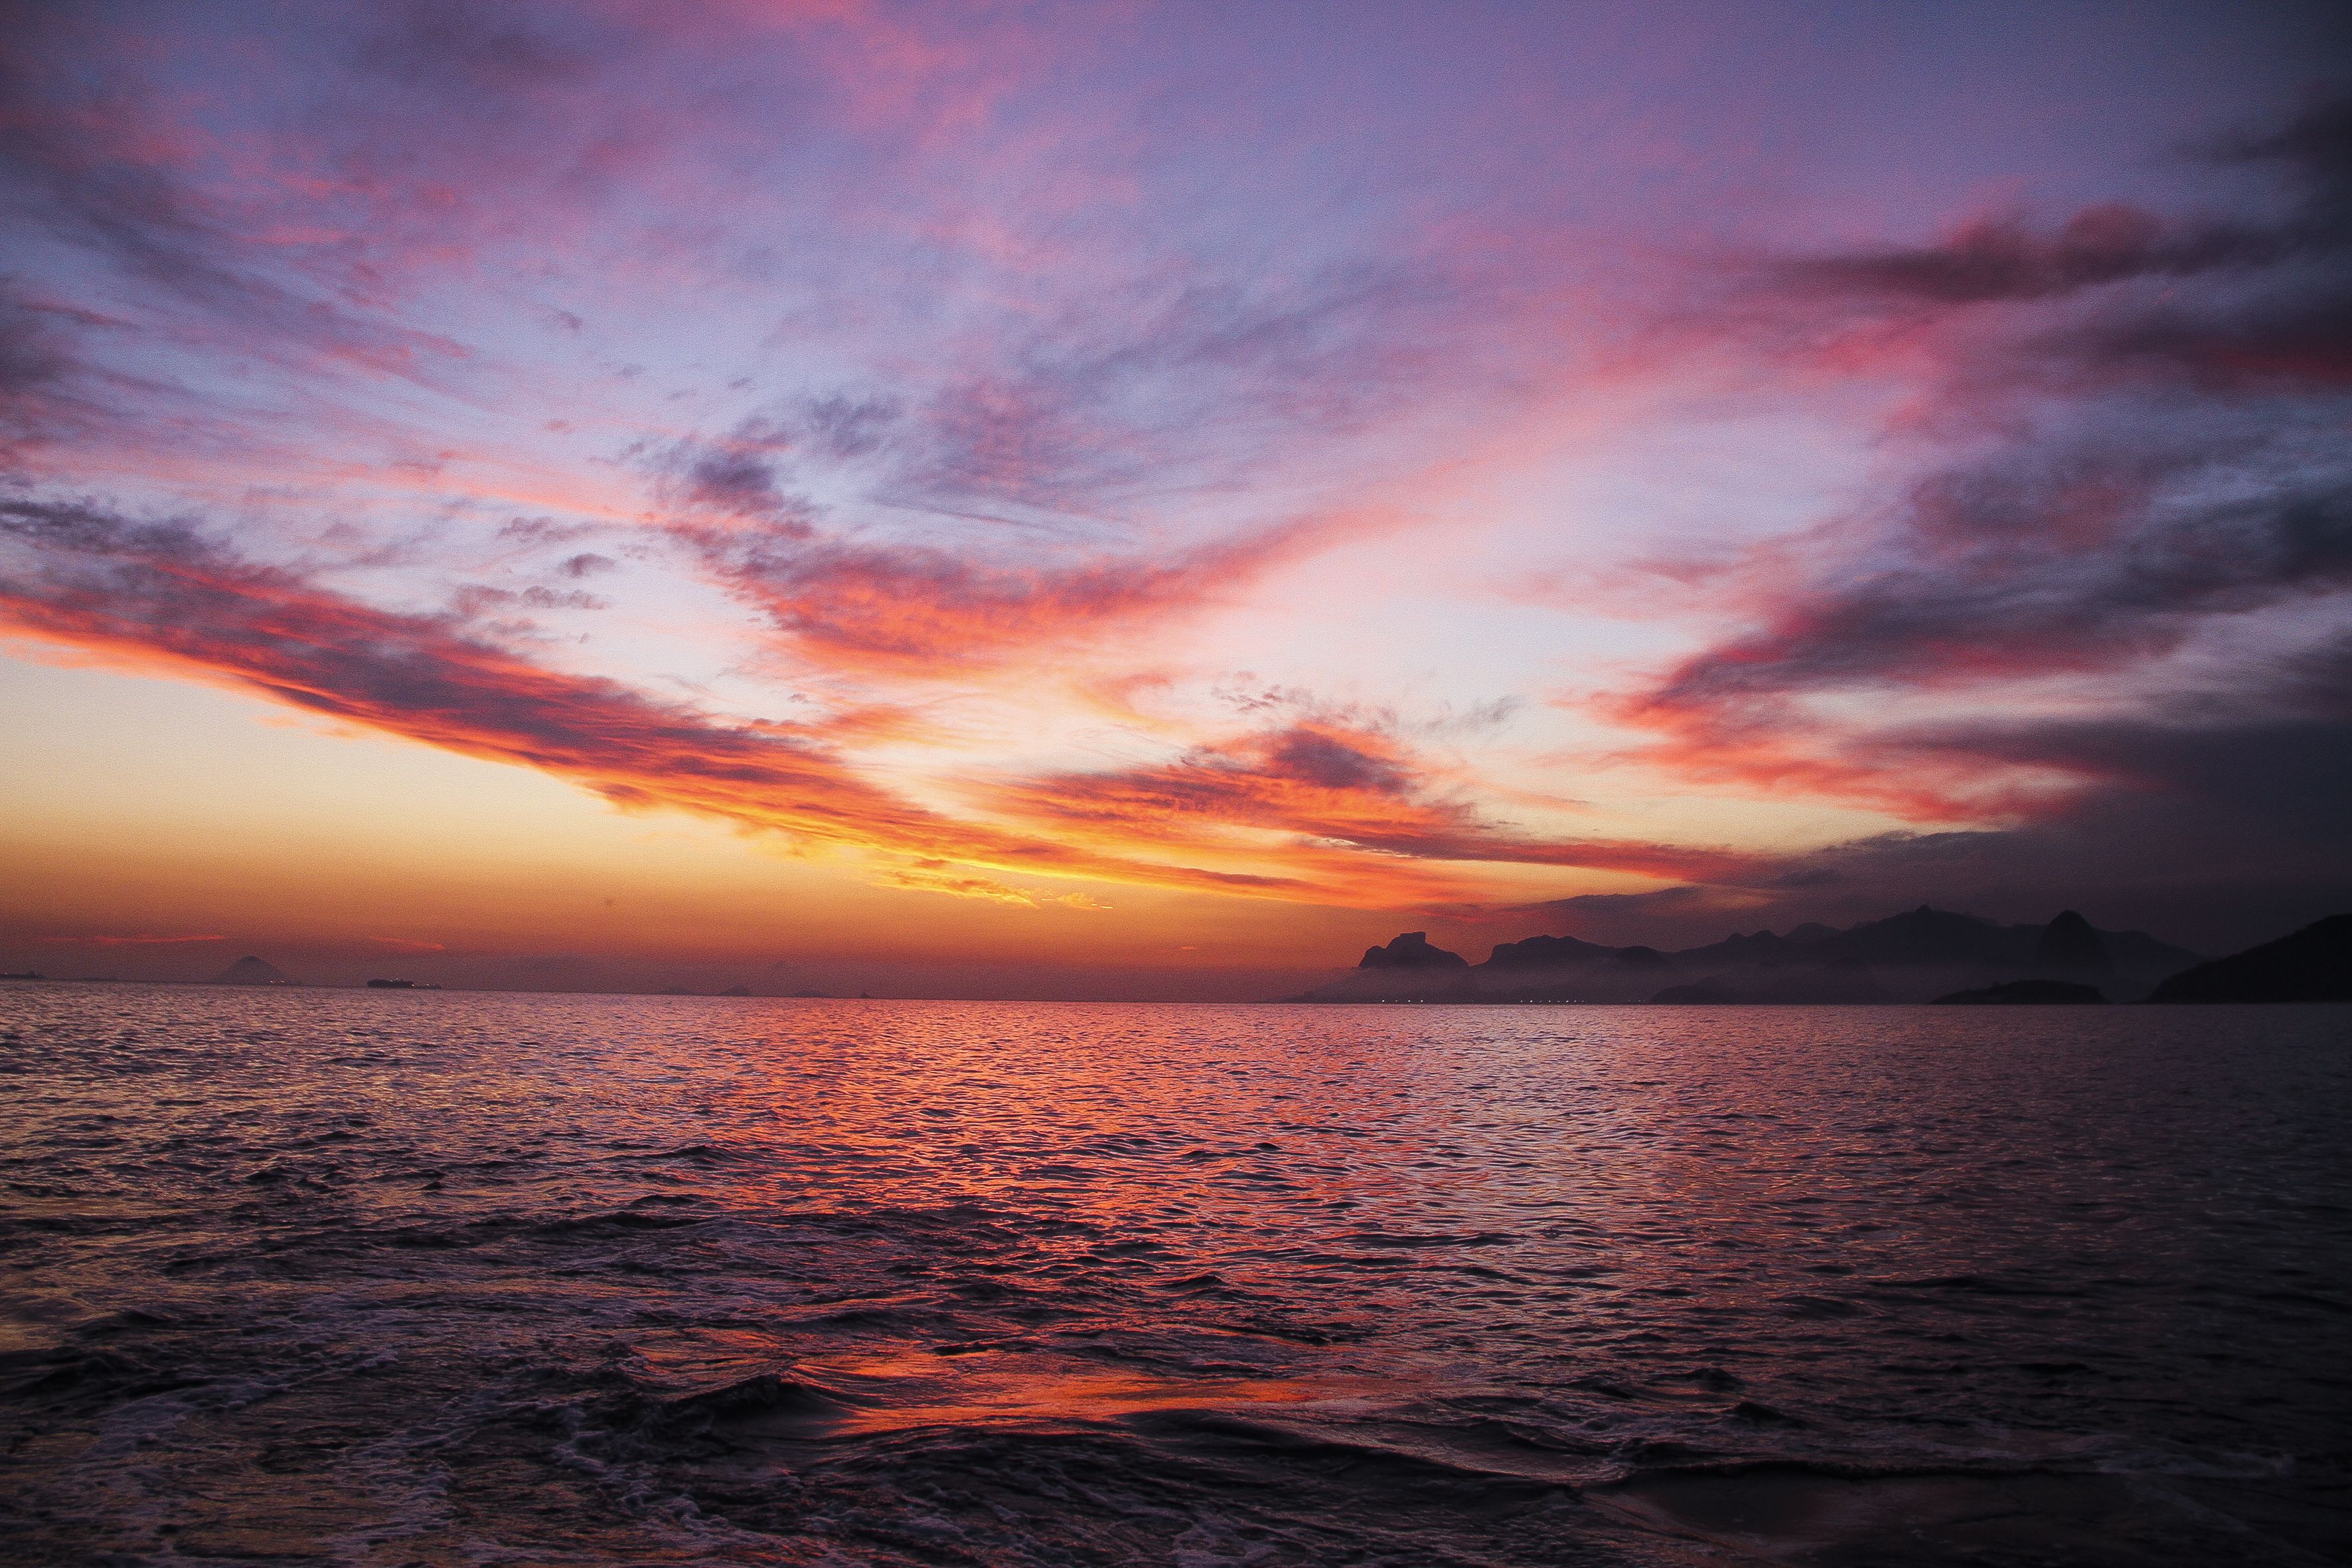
pixel 2135 473
pixel 918 609
pixel 165 593
pixel 1335 789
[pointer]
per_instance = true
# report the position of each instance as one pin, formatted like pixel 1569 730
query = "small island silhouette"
pixel 251 971
pixel 2027 993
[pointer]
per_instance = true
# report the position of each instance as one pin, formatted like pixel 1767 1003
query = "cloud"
pixel 163 594
pixel 1175 382
pixel 846 428
pixel 475 601
pixel 913 608
pixel 2001 258
pixel 1048 484
pixel 737 475
pixel 2093 553
pixel 2100 503
pixel 2213 836
pixel 1332 786
pixel 926 605
pixel 1316 808
pixel 981 390
pixel 37 368
pixel 467 49
pixel 546 531
pixel 86 159
pixel 2099 633
pixel 938 876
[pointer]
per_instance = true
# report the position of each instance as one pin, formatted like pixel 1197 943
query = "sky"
pixel 1138 501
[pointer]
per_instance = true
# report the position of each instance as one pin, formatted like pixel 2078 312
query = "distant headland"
pixel 1924 955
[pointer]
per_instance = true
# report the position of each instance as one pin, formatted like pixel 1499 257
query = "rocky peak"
pixel 2069 942
pixel 1411 951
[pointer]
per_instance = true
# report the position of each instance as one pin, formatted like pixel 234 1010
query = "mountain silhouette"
pixel 2069 942
pixel 1764 950
pixel 2314 964
pixel 1926 935
pixel 1545 952
pixel 1920 954
pixel 1411 951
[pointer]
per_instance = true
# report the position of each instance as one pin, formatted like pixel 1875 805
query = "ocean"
pixel 414 1277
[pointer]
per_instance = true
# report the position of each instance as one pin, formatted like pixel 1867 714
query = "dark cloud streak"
pixel 1330 779
pixel 2148 486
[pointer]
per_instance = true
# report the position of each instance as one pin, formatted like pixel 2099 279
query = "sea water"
pixel 443 1277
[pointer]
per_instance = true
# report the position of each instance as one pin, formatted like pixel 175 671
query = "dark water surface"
pixel 454 1278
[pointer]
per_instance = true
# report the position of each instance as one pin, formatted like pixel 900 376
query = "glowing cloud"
pixel 957 441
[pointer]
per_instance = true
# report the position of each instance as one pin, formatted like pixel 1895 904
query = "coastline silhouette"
pixel 1924 955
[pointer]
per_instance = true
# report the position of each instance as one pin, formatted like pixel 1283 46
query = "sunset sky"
pixel 1136 501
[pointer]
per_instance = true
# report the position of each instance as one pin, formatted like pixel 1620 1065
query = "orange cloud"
pixel 1342 792
pixel 162 594
pixel 918 611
